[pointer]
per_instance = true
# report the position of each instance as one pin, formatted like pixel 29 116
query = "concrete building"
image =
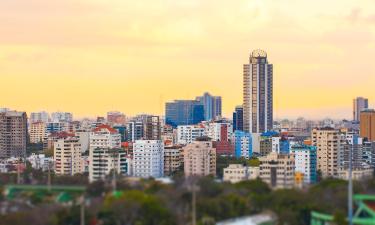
pixel 243 144
pixel 211 105
pixel 215 130
pixel 152 129
pixel 258 93
pixel 36 117
pixel 84 139
pixel 362 172
pixel 173 159
pixel 116 118
pixel 186 134
pixel 277 170
pixel 148 158
pixel 61 117
pixel 103 161
pixel 37 132
pixel 305 162
pixel 67 156
pixel 200 158
pixel 41 162
pixel 134 130
pixel 235 173
pixel 104 136
pixel 367 124
pixel 13 134
pixel 359 104
pixel 329 143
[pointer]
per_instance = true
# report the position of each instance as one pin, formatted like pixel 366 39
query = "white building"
pixel 237 172
pixel 105 137
pixel 68 156
pixel 84 139
pixel 62 117
pixel 213 130
pixel 148 158
pixel 305 162
pixel 186 134
pixel 103 161
pixel 39 117
pixel 40 161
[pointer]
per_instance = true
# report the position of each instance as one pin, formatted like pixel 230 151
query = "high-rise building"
pixel 242 144
pixel 367 124
pixel 134 131
pixel 116 118
pixel 13 134
pixel 186 134
pixel 39 117
pixel 212 106
pixel 258 93
pixel 37 132
pixel 359 104
pixel 148 158
pixel 173 159
pixel 200 158
pixel 68 156
pixel 152 128
pixel 329 143
pixel 305 162
pixel 104 136
pixel 277 170
pixel 183 112
pixel 238 118
pixel 103 161
pixel 62 117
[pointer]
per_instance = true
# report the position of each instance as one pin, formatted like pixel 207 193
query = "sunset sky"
pixel 94 56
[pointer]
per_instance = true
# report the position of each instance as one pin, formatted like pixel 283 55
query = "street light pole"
pixel 350 186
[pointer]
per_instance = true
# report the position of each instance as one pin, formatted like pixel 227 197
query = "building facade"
pixel 199 158
pixel 13 134
pixel 211 105
pixel 37 132
pixel 258 93
pixel 67 156
pixel 148 158
pixel 235 173
pixel 305 162
pixel 367 124
pixel 238 118
pixel 173 160
pixel 359 104
pixel 186 134
pixel 242 144
pixel 184 112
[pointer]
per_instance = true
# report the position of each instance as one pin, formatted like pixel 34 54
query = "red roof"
pixel 61 134
pixel 105 126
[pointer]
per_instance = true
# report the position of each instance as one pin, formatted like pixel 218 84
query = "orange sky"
pixel 93 56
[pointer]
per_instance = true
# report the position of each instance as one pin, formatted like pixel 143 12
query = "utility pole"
pixel 193 188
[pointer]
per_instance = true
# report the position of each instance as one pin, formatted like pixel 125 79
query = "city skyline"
pixel 112 51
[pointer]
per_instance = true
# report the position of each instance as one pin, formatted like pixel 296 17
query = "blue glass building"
pixel 184 112
pixel 242 144
pixel 212 106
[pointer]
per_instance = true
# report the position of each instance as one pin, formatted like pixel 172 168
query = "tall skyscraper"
pixel 258 93
pixel 212 106
pixel 13 134
pixel 238 118
pixel 367 124
pixel 359 104
pixel 183 112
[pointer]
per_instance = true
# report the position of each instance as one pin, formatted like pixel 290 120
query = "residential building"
pixel 116 118
pixel 305 162
pixel 134 130
pixel 359 104
pixel 173 159
pixel 211 105
pixel 258 93
pixel 37 132
pixel 41 162
pixel 103 161
pixel 152 128
pixel 148 158
pixel 62 117
pixel 235 173
pixel 67 156
pixel 13 134
pixel 243 144
pixel 329 143
pixel 183 112
pixel 200 158
pixel 105 137
pixel 367 124
pixel 186 134
pixel 50 140
pixel 238 118
pixel 218 130
pixel 277 170
pixel 36 117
